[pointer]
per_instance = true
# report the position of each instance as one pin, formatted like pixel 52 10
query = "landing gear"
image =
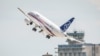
pixel 27 24
pixel 34 29
pixel 48 36
pixel 40 31
pixel 31 23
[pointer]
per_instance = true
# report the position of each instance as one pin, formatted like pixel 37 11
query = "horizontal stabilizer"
pixel 65 26
pixel 75 40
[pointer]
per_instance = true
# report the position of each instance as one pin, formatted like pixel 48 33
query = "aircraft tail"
pixel 65 26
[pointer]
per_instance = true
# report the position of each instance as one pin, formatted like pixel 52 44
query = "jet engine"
pixel 28 22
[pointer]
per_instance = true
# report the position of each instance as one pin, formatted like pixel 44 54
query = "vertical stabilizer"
pixel 65 26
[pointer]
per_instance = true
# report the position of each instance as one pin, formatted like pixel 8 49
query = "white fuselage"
pixel 48 27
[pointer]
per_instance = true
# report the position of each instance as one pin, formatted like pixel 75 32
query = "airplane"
pixel 46 26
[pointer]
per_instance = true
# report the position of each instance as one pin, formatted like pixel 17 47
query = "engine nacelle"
pixel 27 21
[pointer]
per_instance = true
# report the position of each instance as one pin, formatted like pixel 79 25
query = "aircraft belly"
pixel 59 34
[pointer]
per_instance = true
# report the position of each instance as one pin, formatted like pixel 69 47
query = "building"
pixel 92 49
pixel 79 50
pixel 70 50
pixel 78 35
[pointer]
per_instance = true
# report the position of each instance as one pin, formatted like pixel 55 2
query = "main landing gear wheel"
pixel 31 23
pixel 48 36
pixel 34 29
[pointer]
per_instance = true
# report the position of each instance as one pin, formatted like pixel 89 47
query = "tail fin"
pixel 65 26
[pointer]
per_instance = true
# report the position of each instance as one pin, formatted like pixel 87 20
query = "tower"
pixel 74 48
pixel 78 35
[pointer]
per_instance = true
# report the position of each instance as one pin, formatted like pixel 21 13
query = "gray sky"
pixel 17 39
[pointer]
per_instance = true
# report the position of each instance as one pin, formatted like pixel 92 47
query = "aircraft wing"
pixel 28 21
pixel 38 25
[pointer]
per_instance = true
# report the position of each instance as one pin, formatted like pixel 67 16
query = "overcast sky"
pixel 18 39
